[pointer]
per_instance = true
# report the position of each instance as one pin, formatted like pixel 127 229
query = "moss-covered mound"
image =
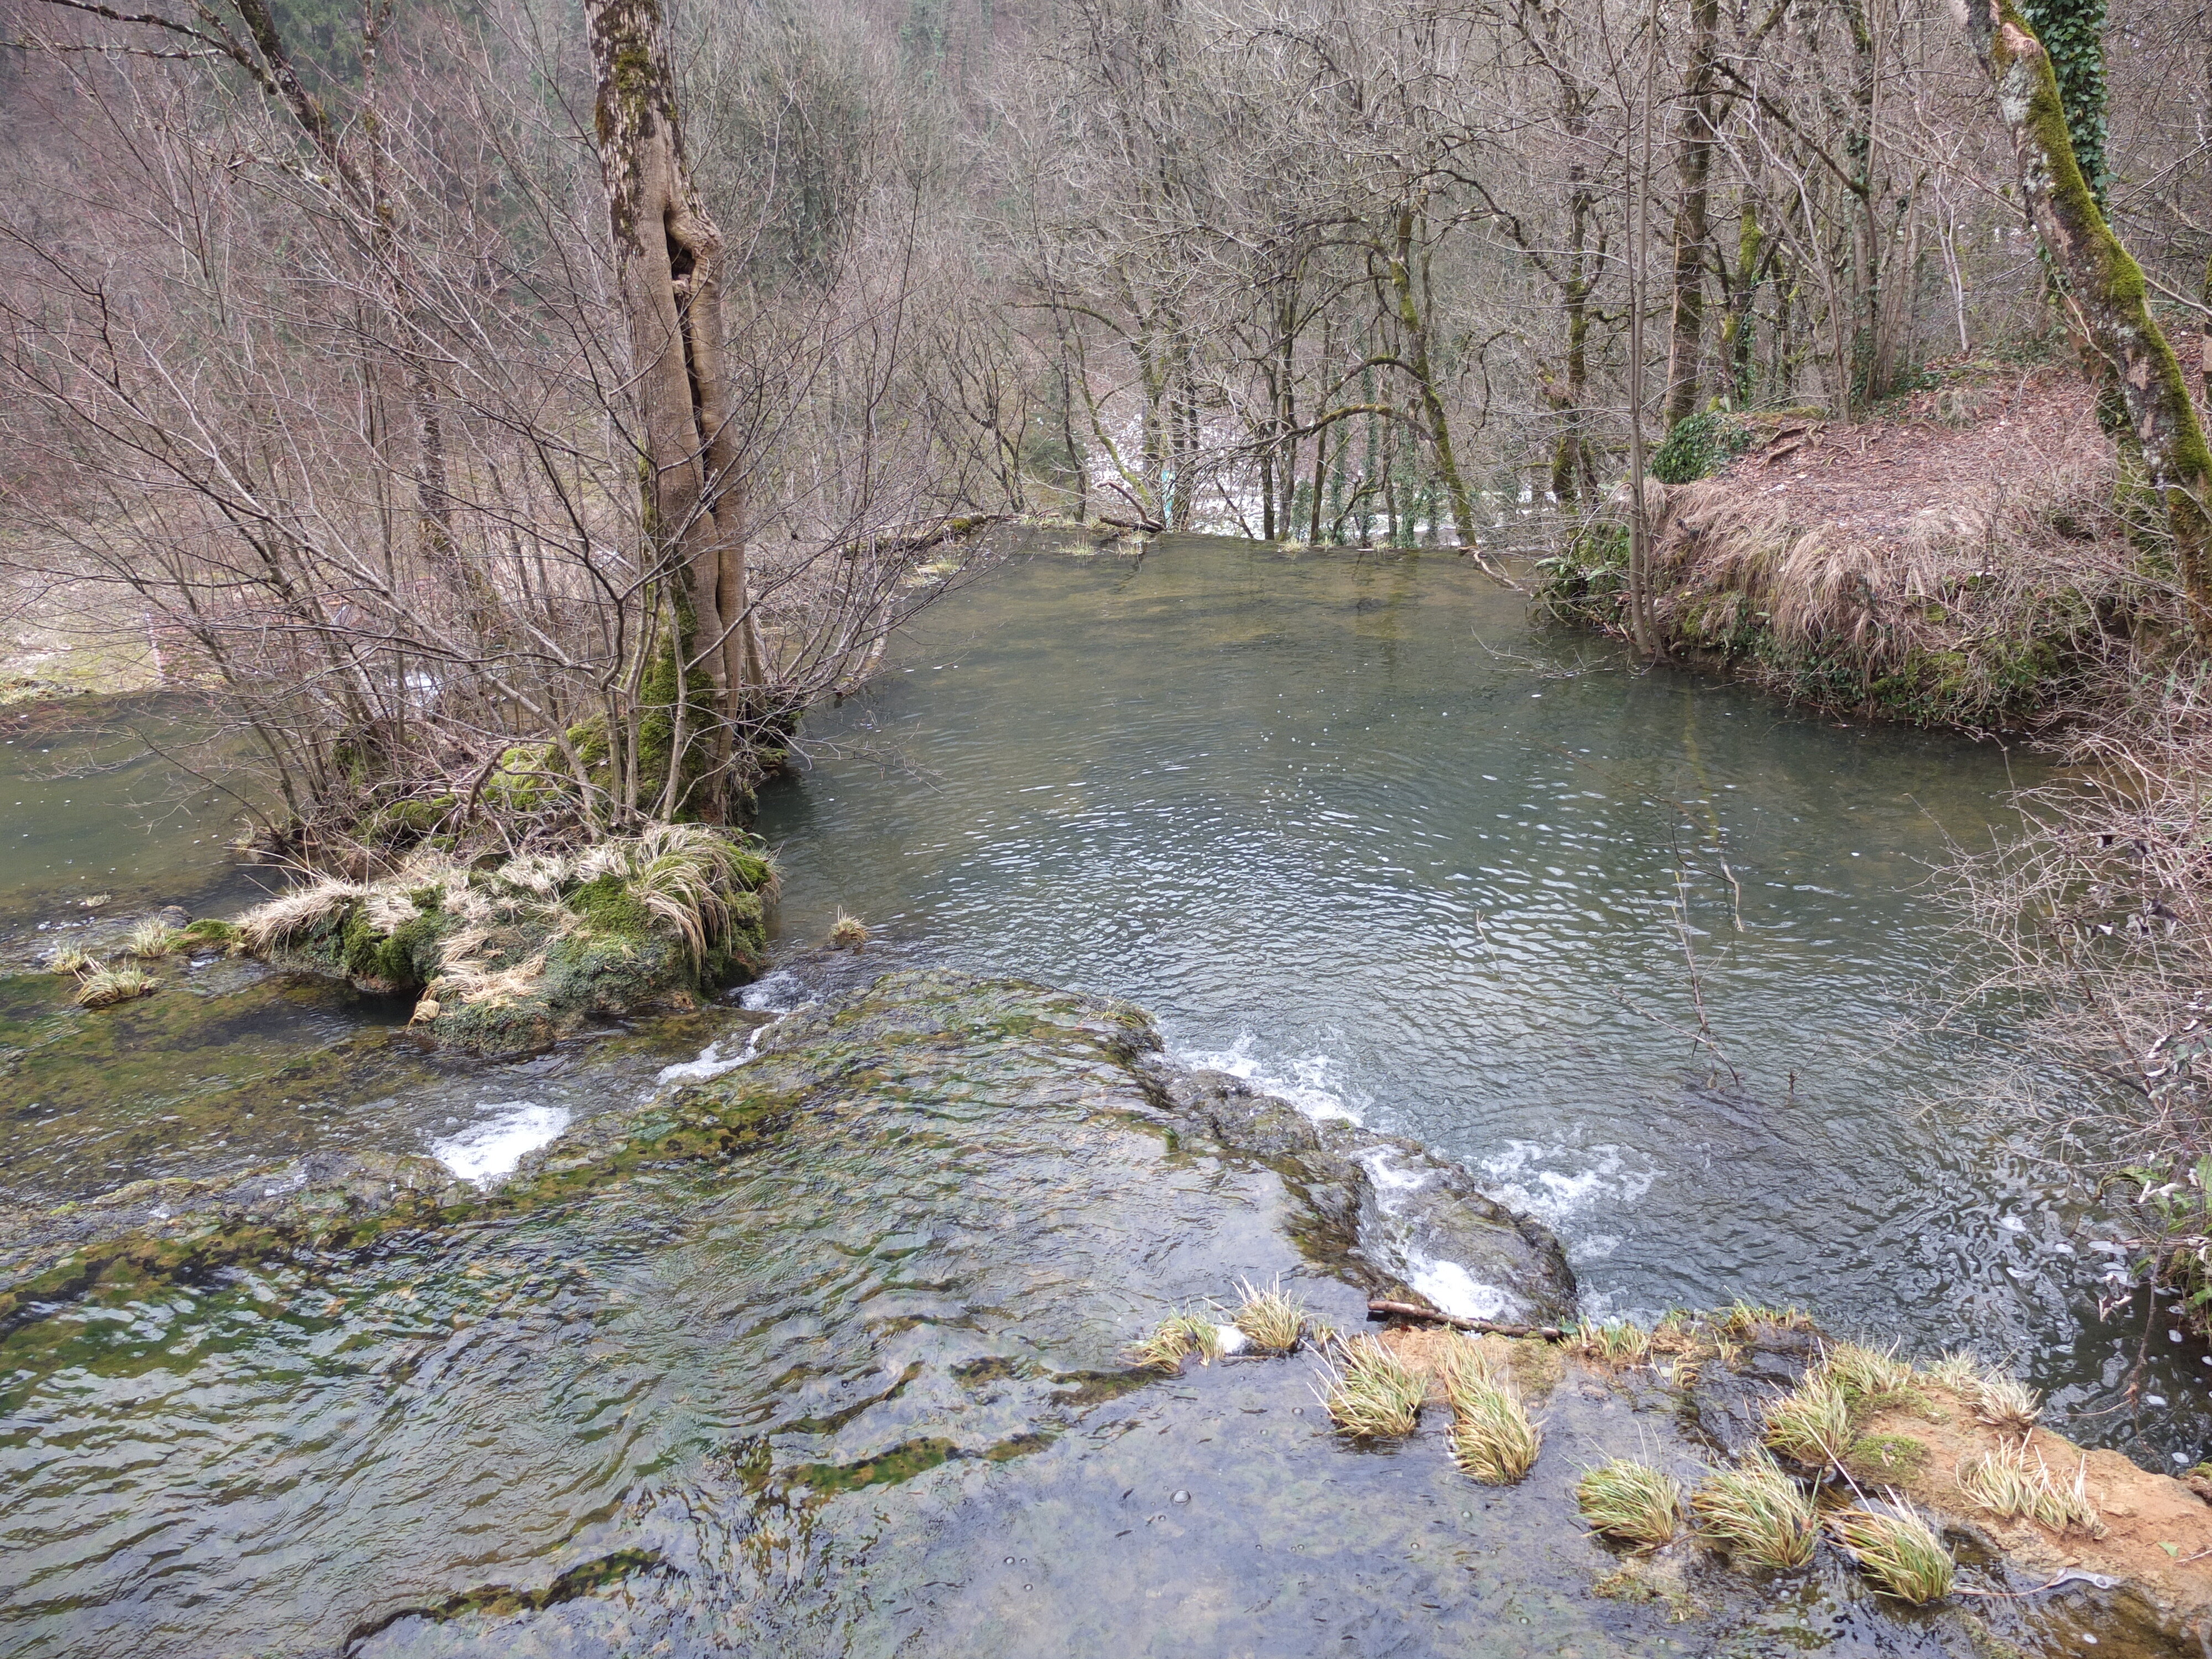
pixel 511 957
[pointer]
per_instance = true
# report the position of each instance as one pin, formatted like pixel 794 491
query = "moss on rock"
pixel 510 958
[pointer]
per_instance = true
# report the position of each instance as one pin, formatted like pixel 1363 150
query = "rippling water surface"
pixel 1348 825
pixel 1651 953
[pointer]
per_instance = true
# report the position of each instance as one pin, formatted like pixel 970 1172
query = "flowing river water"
pixel 1652 957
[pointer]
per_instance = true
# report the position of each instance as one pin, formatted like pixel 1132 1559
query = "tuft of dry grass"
pixel 680 879
pixel 103 988
pixel 1491 1438
pixel 1744 1320
pixel 1811 1424
pixel 1372 1393
pixel 387 911
pixel 1867 1376
pixel 1616 1342
pixel 1957 1370
pixel 538 874
pixel 150 939
pixel 2004 1403
pixel 848 932
pixel 1175 1338
pixel 2008 1485
pixel 1761 1511
pixel 1269 1320
pixel 70 960
pixel 1897 1550
pixel 1631 1501
pixel 302 910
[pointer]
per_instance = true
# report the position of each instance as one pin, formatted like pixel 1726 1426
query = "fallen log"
pixel 1382 1309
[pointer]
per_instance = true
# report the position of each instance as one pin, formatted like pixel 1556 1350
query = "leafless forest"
pixel 340 355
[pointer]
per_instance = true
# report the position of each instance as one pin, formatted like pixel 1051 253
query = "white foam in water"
pixel 711 1063
pixel 493 1146
pixel 1391 1182
pixel 1229 1338
pixel 778 993
pixel 1552 1195
pixel 1452 1288
pixel 1308 1086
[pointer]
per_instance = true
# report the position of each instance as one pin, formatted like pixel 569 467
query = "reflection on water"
pixel 87 810
pixel 858 1391
pixel 1348 828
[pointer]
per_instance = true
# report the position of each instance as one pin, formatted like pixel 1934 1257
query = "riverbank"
pixel 1956 560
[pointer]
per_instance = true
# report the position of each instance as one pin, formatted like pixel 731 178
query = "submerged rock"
pixel 1404 1221
pixel 831 1353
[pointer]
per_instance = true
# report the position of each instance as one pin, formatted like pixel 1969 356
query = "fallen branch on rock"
pixel 1382 1309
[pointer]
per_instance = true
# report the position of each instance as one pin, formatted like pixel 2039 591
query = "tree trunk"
pixel 2105 292
pixel 1413 320
pixel 1693 167
pixel 668 256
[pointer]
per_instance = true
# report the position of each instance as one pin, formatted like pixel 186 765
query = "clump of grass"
pixel 1867 1376
pixel 679 872
pixel 1631 1501
pixel 1677 1332
pixel 1174 1337
pixel 1957 1370
pixel 103 988
pixel 2004 1403
pixel 151 939
pixel 1744 1319
pixel 1760 1512
pixel 2008 1485
pixel 848 931
pixel 1616 1342
pixel 70 960
pixel 1899 1551
pixel 1492 1436
pixel 1811 1425
pixel 1373 1393
pixel 1269 1319
pixel 302 910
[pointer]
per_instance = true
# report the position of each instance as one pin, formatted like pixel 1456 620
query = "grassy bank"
pixel 1961 559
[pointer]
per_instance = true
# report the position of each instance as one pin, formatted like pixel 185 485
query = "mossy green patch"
pixel 1885 1459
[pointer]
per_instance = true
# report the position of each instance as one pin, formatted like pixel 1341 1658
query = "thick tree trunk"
pixel 668 256
pixel 2105 290
pixel 1693 167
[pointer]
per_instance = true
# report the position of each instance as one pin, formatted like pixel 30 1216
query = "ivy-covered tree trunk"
pixel 2106 290
pixel 668 258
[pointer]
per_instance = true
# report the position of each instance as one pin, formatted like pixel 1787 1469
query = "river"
pixel 1651 955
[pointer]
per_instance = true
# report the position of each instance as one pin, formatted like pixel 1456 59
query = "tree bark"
pixel 2106 291
pixel 1693 167
pixel 668 256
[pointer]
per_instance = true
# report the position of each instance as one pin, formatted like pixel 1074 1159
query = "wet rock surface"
pixel 828 1355
pixel 1392 1211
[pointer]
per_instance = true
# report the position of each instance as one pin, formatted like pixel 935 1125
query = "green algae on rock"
pixel 510 958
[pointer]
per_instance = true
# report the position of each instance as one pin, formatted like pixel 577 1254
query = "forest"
pixel 679 563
